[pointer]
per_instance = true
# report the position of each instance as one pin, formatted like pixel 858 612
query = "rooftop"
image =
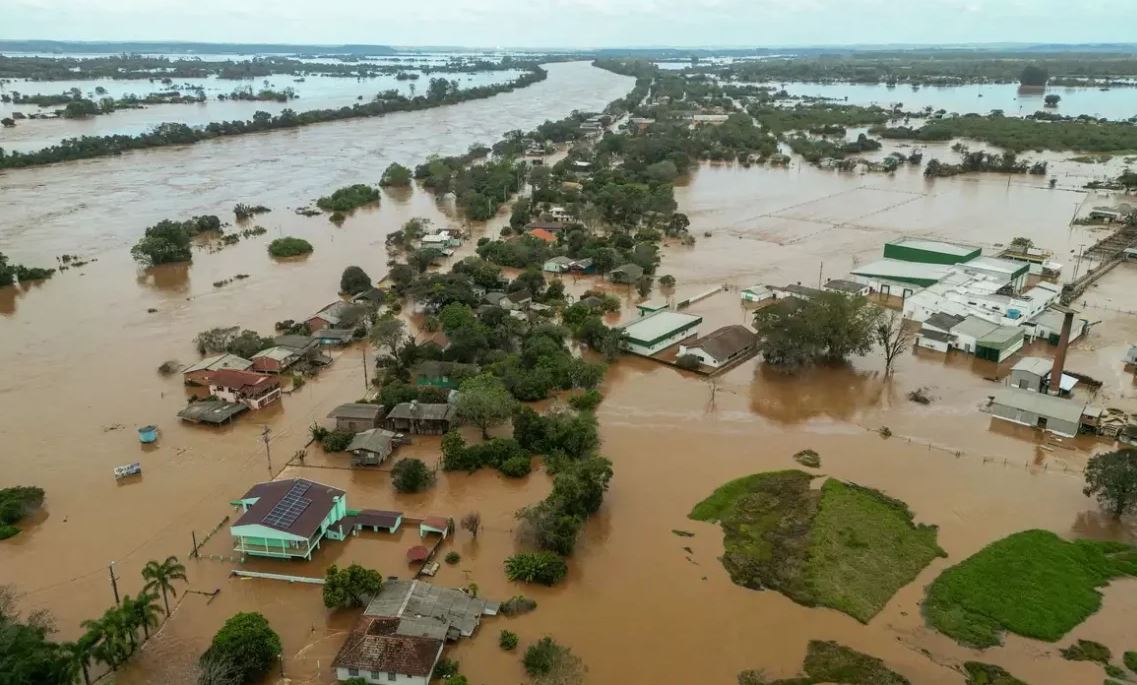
pixel 211 411
pixel 340 311
pixel 902 270
pixel 376 440
pixel 356 410
pixel 374 645
pixel 1041 404
pixel 942 321
pixel 844 286
pixel 218 362
pixel 278 353
pixel 1036 365
pixel 420 410
pixel 239 380
pixel 295 342
pixel 408 599
pixel 931 245
pixel 543 234
pixel 725 342
pixel 659 325
pixel 296 506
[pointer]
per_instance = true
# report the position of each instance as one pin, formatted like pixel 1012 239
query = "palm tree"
pixel 161 577
pixel 105 639
pixel 70 664
pixel 144 611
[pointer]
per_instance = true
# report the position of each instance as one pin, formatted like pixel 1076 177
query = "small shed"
pixel 420 418
pixel 722 347
pixel 356 417
pixel 847 287
pixel 371 447
pixel 376 520
pixel 434 524
pixel 1131 356
pixel 756 293
pixel 651 307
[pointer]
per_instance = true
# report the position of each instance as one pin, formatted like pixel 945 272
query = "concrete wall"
pixel 1025 380
pixel 1031 419
pixel 382 678
pixel 931 344
pixel 659 346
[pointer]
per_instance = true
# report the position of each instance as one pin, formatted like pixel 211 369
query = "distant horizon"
pixel 581 24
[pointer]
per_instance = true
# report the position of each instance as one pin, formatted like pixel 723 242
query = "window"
pixel 353 672
pixel 391 676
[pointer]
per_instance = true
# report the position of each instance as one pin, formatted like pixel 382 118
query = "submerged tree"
pixel 1111 477
pixel 893 336
pixel 161 577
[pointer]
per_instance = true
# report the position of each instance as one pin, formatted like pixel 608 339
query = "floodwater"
pixel 315 92
pixel 81 353
pixel 980 98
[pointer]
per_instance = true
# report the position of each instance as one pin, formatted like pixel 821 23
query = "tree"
pixel 667 281
pixel 350 587
pixel 893 336
pixel 354 280
pixel 143 610
pixel 395 175
pixel 163 243
pixel 549 663
pixel 248 644
pixel 545 568
pixel 289 246
pixel 472 522
pixel 484 401
pixel 1052 100
pixel 411 475
pixel 161 576
pixel 1034 76
pixel 1111 477
pixel 643 285
pixel 27 656
pixel 422 258
pixel 388 333
pixel 793 333
pixel 247 343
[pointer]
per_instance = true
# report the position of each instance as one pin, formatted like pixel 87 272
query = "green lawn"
pixel 1032 583
pixel 979 673
pixel 830 662
pixel 843 546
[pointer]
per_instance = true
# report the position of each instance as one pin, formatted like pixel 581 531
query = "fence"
pixel 277 576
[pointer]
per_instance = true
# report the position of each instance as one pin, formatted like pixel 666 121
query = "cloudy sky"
pixel 574 23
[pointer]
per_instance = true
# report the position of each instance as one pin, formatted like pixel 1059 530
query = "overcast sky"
pixel 574 23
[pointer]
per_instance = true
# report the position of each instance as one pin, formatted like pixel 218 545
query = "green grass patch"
pixel 863 548
pixel 1087 650
pixel 1032 583
pixel 979 673
pixel 829 662
pixel 1130 661
pixel 843 546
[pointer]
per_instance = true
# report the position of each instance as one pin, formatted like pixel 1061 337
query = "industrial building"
pixel 656 332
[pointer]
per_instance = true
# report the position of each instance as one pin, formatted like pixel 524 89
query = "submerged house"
pixel 402 632
pixel 442 374
pixel 628 273
pixel 356 417
pixel 1039 410
pixel 338 314
pixel 372 447
pixel 288 518
pixel 656 332
pixel 276 359
pixel 420 418
pixel 254 390
pixel 199 373
pixel 1033 374
pixel 722 347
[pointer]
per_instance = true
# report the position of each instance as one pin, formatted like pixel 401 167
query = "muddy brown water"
pixel 81 354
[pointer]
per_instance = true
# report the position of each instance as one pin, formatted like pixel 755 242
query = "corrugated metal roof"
pixel 935 246
pixel 1049 406
pixel 896 268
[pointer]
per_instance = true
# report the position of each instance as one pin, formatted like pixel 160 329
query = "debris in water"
pixel 885 432
pixel 808 458
pixel 683 533
pixel 688 550
pixel 169 367
pixel 920 396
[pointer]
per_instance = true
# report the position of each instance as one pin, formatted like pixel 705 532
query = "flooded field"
pixel 81 353
pixel 314 92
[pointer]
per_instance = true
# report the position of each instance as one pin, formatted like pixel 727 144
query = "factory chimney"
pixel 1060 355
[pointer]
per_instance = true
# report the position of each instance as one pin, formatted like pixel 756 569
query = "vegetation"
pixel 396 176
pixel 578 491
pixel 289 247
pixel 979 673
pixel 336 441
pixel 11 273
pixel 1017 135
pixel 1112 478
pixel 354 280
pixel 164 134
pixel 843 546
pixel 484 401
pixel 350 587
pixel 246 646
pixel 411 475
pixel 1087 650
pixel 994 591
pixel 472 522
pixel 169 241
pixel 348 198
pixel 453 557
pixel 829 662
pixel 517 605
pixel 587 400
pixel 160 577
pixel 545 568
pixel 16 503
pixel 1130 660
pixel 503 454
pixel 794 333
pixel 27 655
pixel 507 640
pixel 1034 75
pixel 808 458
pixel 243 211
pixel 549 663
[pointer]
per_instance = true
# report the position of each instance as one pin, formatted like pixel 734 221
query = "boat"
pixel 127 470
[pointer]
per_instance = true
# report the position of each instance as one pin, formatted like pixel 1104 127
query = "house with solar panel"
pixel 288 518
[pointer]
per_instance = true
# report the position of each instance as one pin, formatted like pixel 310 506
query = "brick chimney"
pixel 1060 355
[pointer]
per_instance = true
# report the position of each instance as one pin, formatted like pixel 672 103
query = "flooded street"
pixel 81 353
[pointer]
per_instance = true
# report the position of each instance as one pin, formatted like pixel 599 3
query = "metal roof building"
pixel 656 332
pixel 1038 410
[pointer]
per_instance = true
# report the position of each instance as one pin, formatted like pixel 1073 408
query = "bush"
pixel 337 441
pixel 396 175
pixel 17 502
pixel 808 458
pixel 350 587
pixel 247 644
pixel 289 247
pixel 7 531
pixel 1087 650
pixel 411 475
pixel 348 198
pixel 445 668
pixel 507 641
pixel 586 401
pixel 517 605
pixel 354 280
pixel 1130 659
pixel 545 568
pixel 517 466
pixel 453 558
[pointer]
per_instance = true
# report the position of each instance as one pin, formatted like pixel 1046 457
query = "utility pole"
pixel 820 270
pixel 268 453
pixel 114 583
pixel 366 384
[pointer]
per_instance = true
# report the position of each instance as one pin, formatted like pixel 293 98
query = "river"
pixel 81 352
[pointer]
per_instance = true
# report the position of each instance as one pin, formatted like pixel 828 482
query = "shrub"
pixel 7 531
pixel 1087 650
pixel 247 644
pixel 396 175
pixel 411 475
pixel 517 466
pixel 687 361
pixel 351 586
pixel 545 568
pixel 1130 659
pixel 348 198
pixel 507 640
pixel 289 247
pixel 445 668
pixel 336 441
pixel 354 280
pixel 453 558
pixel 586 401
pixel 517 605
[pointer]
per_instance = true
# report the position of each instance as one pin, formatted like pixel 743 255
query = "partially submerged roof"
pixel 1041 404
pixel 298 343
pixel 241 380
pixel 845 286
pixel 658 326
pixel 944 322
pixel 632 271
pixel 1035 365
pixel 412 599
pixel 543 234
pixel 218 362
pixel 374 645
pixel 378 517
pixel 278 353
pixel 917 273
pixel 296 506
pixel 211 411
pixel 341 312
pixel 356 410
pixel 420 410
pixel 725 342
pixel 376 441
pixel 335 334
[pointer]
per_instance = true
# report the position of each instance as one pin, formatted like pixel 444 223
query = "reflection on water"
pixel 171 278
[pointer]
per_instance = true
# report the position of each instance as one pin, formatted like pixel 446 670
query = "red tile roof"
pixel 437 522
pixel 543 235
pixel 373 645
pixel 238 380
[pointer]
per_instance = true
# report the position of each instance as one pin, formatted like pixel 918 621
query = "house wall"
pixel 647 351
pixel 1025 380
pixel 1026 418
pixel 356 425
pixel 267 365
pixel 264 400
pixel 316 323
pixel 997 355
pixel 929 343
pixel 381 678
pixel 888 286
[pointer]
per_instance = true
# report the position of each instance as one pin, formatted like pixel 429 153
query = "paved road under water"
pixel 81 354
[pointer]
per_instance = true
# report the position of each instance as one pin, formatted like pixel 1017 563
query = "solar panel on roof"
pixel 289 508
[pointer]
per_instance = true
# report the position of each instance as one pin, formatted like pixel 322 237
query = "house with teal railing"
pixel 288 518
